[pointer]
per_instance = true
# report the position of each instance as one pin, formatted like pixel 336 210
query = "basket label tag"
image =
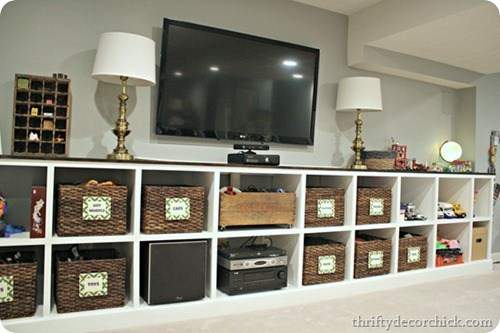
pixel 376 207
pixel 177 209
pixel 375 259
pixel 413 255
pixel 327 264
pixel 6 289
pixel 96 208
pixel 326 208
pixel 93 284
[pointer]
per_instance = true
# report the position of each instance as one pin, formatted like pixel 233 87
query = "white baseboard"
pixel 496 257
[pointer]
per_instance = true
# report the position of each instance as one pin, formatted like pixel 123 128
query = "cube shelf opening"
pixel 428 232
pixel 345 238
pixel 80 176
pixel 17 190
pixel 232 208
pixel 457 231
pixel 344 182
pixel 124 250
pixel 385 183
pixel 182 179
pixel 289 243
pixel 482 198
pixel 422 193
pixel 457 190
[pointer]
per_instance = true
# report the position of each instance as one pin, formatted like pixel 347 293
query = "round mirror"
pixel 450 151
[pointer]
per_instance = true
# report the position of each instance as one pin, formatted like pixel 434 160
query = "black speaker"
pixel 173 271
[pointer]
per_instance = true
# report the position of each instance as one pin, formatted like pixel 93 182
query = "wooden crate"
pixel 257 208
pixel 479 243
pixel 42 106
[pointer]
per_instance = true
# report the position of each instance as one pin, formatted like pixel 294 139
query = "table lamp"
pixel 359 94
pixel 124 59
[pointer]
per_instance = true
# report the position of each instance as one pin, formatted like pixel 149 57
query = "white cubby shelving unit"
pixel 473 191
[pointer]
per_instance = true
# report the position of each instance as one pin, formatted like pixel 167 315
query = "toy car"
pixel 445 210
pixel 459 212
pixel 411 213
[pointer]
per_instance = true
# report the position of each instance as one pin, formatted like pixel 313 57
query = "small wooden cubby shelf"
pixel 474 191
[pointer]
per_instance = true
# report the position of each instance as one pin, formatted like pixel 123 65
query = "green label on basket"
pixel 93 284
pixel 96 208
pixel 326 208
pixel 413 255
pixel 6 289
pixel 375 259
pixel 376 207
pixel 327 264
pixel 177 209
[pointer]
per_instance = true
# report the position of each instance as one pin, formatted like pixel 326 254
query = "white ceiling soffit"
pixel 469 40
pixel 446 42
pixel 346 7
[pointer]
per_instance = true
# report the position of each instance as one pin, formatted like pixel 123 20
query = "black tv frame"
pixel 234 135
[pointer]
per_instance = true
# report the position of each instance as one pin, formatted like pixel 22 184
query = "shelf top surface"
pixel 218 164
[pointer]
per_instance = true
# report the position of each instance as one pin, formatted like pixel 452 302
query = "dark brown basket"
pixel 154 220
pixel 367 196
pixel 366 246
pixel 68 278
pixel 313 194
pixel 24 298
pixel 70 220
pixel 316 249
pixel 407 251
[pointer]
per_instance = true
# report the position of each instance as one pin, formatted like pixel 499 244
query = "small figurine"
pixel 33 137
pixel 436 168
pixel 411 213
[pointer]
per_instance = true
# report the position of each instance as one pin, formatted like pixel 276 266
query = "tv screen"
pixel 226 85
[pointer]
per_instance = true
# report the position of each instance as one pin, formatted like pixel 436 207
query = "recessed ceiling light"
pixel 177 73
pixel 214 68
pixel 289 63
pixel 298 76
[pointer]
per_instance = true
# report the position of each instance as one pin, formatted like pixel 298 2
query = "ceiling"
pixel 469 40
pixel 346 7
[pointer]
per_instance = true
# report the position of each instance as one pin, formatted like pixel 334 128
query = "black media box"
pixel 252 158
pixel 173 271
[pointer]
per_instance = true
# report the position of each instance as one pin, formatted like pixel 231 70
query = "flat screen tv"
pixel 231 86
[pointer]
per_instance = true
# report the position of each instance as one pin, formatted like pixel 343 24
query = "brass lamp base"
pixel 120 156
pixel 121 127
pixel 357 145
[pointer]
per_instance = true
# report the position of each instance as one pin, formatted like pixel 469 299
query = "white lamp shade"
pixel 359 93
pixel 124 54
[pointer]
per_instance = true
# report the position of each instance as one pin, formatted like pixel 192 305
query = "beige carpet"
pixel 475 297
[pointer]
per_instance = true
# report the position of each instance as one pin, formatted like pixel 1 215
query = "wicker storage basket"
pixel 159 202
pixel 372 256
pixel 105 267
pixel 324 261
pixel 73 219
pixel 373 205
pixel 22 277
pixel 412 253
pixel 324 207
pixel 379 160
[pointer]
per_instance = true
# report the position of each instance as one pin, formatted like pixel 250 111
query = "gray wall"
pixel 488 119
pixel 46 36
